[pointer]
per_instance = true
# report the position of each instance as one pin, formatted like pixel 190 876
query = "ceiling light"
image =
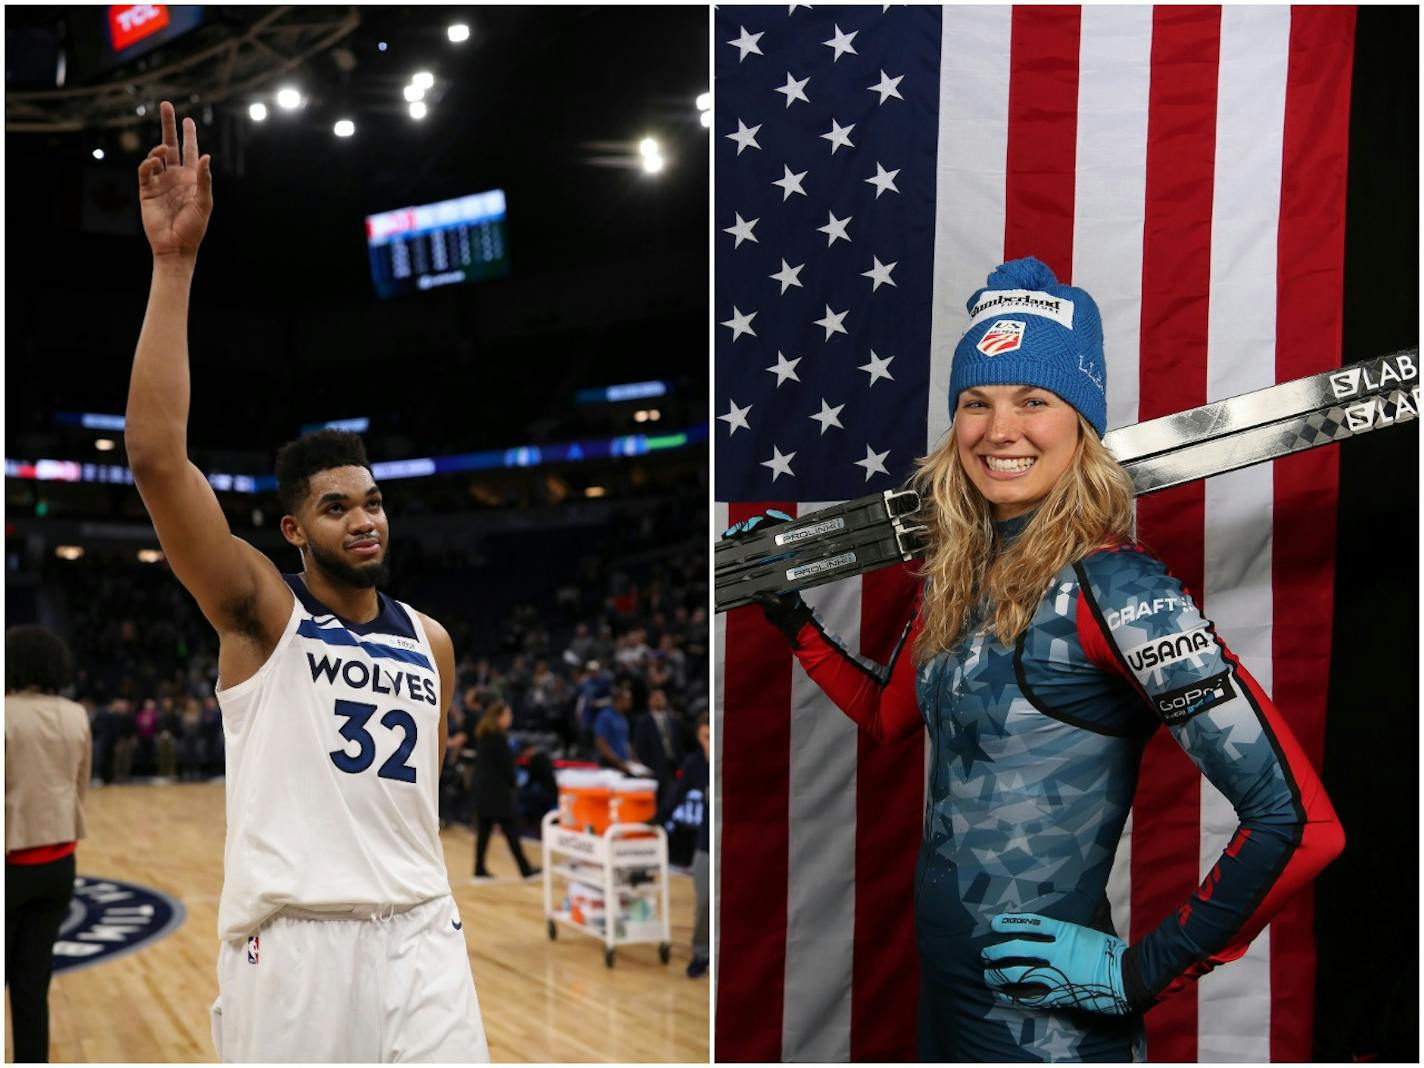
pixel 98 153
pixel 424 79
pixel 104 444
pixel 595 491
pixel 458 32
pixel 141 110
pixel 149 556
pixel 704 101
pixel 257 111
pixel 640 416
pixel 289 98
pixel 654 415
pixel 417 109
pixel 68 552
pixel 707 118
pixel 344 128
pixel 380 46
pixel 648 147
pixel 652 164
pixel 414 93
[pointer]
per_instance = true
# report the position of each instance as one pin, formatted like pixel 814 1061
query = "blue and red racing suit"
pixel 1035 754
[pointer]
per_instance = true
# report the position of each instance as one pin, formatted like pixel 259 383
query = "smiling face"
pixel 1015 442
pixel 342 523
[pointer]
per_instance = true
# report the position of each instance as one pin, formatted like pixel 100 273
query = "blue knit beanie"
pixel 1027 330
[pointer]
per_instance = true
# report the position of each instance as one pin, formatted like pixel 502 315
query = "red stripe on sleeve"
pixel 755 757
pixel 1041 157
pixel 889 806
pixel 1309 325
pixel 1176 277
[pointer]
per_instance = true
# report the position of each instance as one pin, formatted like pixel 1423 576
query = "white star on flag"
pixel 736 418
pixel 794 90
pixel 838 136
pixel 832 322
pixel 887 87
pixel 740 324
pixel 784 369
pixel 788 276
pixel 877 368
pixel 835 228
pixel 746 43
pixel 779 464
pixel 883 180
pixel 828 416
pixel 791 8
pixel 879 273
pixel 742 230
pixel 745 136
pixel 874 462
pixel 791 183
pixel 841 42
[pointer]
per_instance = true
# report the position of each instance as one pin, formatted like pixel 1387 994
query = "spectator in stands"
pixel 495 785
pixel 612 734
pixel 452 779
pixel 192 747
pixel 595 693
pixel 658 743
pixel 694 775
pixel 48 751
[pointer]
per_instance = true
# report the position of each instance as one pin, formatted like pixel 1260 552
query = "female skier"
pixel 1046 647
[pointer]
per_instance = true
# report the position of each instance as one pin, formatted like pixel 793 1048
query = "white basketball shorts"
pixel 376 990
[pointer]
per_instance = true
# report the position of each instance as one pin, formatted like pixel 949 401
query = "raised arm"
pixel 237 587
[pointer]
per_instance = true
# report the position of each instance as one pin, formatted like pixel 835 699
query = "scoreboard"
pixel 440 244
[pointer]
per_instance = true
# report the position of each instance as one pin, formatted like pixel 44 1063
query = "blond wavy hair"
pixel 1090 506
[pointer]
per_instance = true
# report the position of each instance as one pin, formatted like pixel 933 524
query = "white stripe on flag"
pixel 820 907
pixel 969 182
pixel 1110 186
pixel 719 676
pixel 1234 1017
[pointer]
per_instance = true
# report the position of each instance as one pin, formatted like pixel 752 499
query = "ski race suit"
pixel 1035 752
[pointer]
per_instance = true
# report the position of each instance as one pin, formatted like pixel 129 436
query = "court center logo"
pixel 108 918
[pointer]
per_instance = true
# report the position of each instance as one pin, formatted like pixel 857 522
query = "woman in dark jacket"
pixel 495 789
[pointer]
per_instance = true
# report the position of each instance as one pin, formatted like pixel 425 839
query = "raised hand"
pixel 175 193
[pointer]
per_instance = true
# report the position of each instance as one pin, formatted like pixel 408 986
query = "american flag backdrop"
pixel 1186 166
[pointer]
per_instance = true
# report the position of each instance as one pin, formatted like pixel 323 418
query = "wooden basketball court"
pixel 542 1001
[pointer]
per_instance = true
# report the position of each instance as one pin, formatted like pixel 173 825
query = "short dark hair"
pixel 36 658
pixel 321 450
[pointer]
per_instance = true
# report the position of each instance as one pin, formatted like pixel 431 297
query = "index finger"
pixel 170 131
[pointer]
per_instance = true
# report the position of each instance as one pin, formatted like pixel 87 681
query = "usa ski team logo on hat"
pixel 1004 336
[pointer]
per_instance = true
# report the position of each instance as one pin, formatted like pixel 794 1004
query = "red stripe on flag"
pixel 1041 157
pixel 1309 323
pixel 890 797
pixel 1176 277
pixel 755 757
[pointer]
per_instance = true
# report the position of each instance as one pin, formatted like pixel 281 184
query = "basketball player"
pixel 340 940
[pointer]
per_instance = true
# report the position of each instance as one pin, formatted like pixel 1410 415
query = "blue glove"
pixel 1052 964
pixel 787 612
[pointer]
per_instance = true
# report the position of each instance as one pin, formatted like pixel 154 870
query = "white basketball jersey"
pixel 332 776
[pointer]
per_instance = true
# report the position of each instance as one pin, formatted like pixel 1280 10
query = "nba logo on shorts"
pixel 252 947
pixel 1004 336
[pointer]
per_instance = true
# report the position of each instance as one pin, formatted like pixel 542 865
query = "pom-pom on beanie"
pixel 1025 329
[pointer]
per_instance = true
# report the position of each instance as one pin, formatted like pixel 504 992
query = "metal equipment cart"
pixel 617 862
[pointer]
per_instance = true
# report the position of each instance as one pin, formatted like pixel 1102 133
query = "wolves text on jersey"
pixel 360 675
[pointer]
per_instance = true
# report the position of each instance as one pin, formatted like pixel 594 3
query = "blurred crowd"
pixel 597 638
